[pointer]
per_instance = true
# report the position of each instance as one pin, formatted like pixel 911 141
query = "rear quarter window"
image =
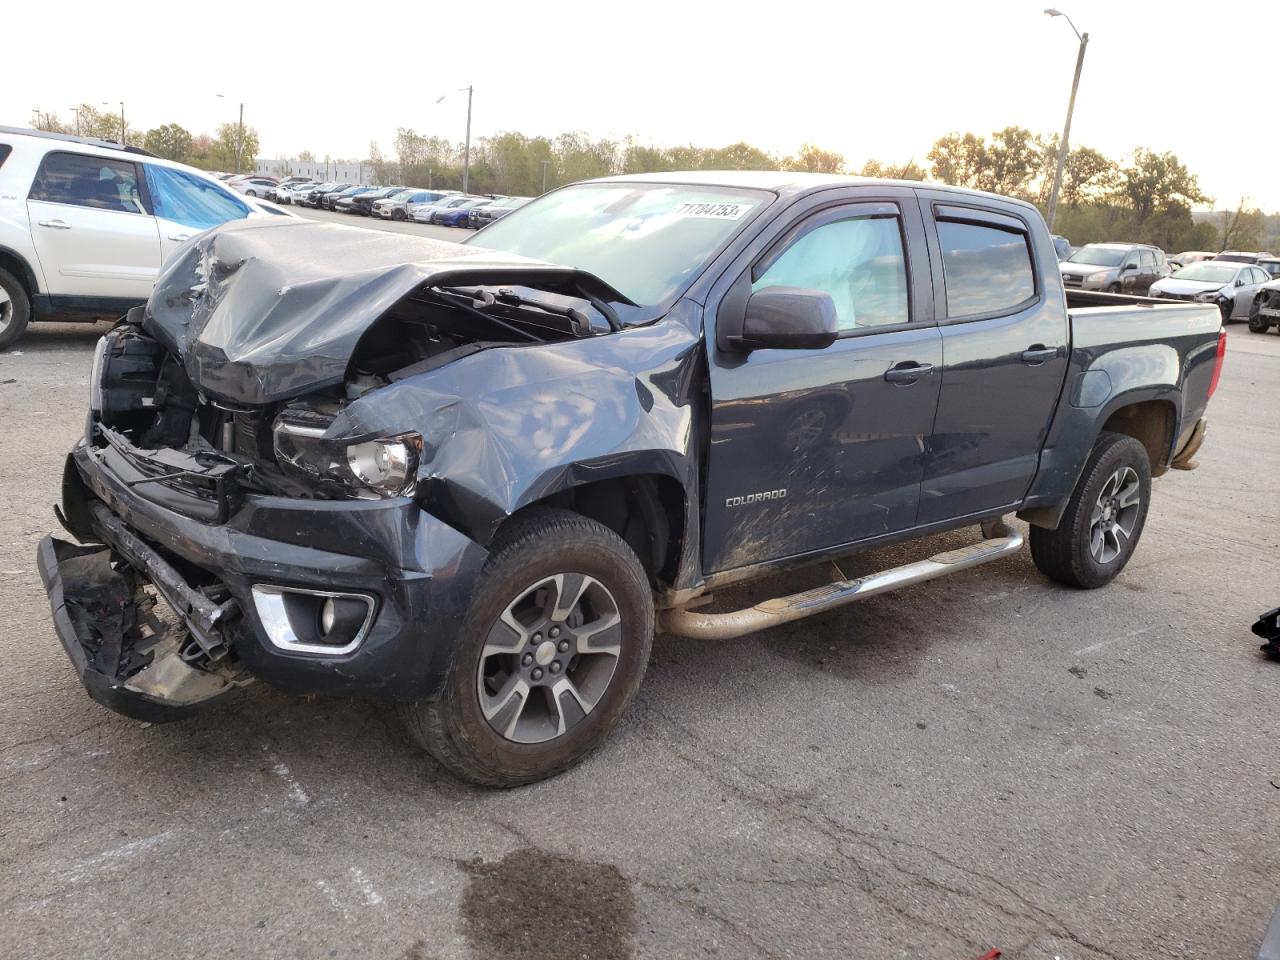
pixel 987 269
pixel 5 150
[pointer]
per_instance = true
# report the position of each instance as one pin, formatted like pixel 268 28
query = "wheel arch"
pixel 18 265
pixel 648 510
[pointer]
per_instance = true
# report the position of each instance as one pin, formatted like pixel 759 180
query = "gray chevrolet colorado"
pixel 469 478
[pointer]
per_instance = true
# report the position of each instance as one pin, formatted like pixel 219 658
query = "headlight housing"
pixel 370 468
pixel 1209 296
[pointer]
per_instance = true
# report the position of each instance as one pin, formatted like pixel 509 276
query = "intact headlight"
pixel 377 467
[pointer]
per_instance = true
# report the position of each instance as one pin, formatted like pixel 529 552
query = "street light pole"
pixel 76 111
pixel 1065 146
pixel 545 164
pixel 466 149
pixel 240 137
pixel 124 131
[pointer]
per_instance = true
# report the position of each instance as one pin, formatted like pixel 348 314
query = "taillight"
pixel 1217 362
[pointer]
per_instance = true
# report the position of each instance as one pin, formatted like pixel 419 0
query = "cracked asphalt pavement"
pixel 985 761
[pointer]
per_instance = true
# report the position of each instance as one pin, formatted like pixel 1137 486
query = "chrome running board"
pixel 1001 541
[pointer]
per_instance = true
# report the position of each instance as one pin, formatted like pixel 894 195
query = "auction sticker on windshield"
pixel 710 210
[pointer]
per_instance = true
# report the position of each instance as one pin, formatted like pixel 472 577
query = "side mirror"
pixel 1128 266
pixel 1239 281
pixel 788 318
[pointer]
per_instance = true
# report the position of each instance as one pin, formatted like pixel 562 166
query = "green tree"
pixel 890 171
pixel 814 159
pixel 170 141
pixel 306 156
pixel 959 159
pixel 231 148
pixel 1243 228
pixel 1151 182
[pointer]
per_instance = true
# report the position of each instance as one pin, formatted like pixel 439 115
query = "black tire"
pixel 528 553
pixel 16 313
pixel 1114 288
pixel 1069 554
pixel 1257 324
pixel 398 215
pixel 1226 308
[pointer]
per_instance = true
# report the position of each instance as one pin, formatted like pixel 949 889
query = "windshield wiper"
pixel 506 296
pixel 466 301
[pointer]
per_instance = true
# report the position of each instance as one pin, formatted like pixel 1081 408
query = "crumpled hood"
pixel 267 310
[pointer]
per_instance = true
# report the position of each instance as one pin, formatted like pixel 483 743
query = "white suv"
pixel 85 225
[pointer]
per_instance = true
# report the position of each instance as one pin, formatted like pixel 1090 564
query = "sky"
pixel 879 80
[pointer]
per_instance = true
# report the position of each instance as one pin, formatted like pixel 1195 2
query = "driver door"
pixel 812 449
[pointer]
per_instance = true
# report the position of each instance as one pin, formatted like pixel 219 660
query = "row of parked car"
pixel 447 207
pixel 1244 285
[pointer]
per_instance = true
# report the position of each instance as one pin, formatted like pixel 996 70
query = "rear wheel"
pixel 1104 517
pixel 551 654
pixel 15 309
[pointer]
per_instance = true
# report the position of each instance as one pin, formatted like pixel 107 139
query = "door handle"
pixel 908 372
pixel 55 224
pixel 1038 353
pixel 179 237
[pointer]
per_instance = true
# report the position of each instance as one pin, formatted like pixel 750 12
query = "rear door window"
pixel 987 268
pixel 87 181
pixel 5 150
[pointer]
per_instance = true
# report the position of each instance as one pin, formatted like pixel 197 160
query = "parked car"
pixel 469 478
pixel 253 186
pixel 1241 256
pixel 456 215
pixel 1063 247
pixel 1231 286
pixel 316 197
pixel 1114 268
pixel 1271 265
pixel 294 194
pixel 362 203
pixel 482 215
pixel 85 225
pixel 1180 260
pixel 1265 312
pixel 276 194
pixel 397 206
pixel 331 199
pixel 424 212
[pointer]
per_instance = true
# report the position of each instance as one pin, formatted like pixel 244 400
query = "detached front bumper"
pixel 418 571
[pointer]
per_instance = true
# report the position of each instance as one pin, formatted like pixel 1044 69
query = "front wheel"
pixel 1257 324
pixel 551 654
pixel 1104 517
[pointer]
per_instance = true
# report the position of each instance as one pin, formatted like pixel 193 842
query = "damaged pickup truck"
pixel 468 478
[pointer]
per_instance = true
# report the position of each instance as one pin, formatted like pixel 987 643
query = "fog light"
pixel 313 621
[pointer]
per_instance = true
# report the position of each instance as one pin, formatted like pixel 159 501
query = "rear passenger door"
pixel 812 449
pixel 1005 343
pixel 91 227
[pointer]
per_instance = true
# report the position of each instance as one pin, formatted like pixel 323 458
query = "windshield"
pixel 1207 272
pixel 645 240
pixel 1098 256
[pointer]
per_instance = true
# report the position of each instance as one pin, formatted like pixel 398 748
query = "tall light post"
pixel 76 111
pixel 35 118
pixel 545 164
pixel 239 133
pixel 1071 106
pixel 466 149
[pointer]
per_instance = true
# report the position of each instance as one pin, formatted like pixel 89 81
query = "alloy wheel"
pixel 549 658
pixel 1114 515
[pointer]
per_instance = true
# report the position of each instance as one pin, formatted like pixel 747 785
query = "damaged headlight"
pixel 378 467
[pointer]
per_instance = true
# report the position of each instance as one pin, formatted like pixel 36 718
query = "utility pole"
pixel 545 164
pixel 1065 146
pixel 124 131
pixel 76 111
pixel 466 149
pixel 428 178
pixel 240 137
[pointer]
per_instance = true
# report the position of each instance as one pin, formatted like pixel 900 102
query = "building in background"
pixel 315 169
